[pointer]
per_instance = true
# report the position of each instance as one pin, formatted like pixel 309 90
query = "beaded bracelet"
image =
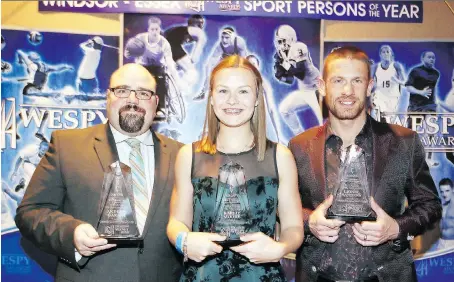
pixel 185 248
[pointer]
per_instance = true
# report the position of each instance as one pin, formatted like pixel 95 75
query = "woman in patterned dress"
pixel 231 186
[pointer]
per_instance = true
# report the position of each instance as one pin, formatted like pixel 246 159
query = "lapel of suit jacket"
pixel 317 159
pixel 106 150
pixel 162 167
pixel 381 150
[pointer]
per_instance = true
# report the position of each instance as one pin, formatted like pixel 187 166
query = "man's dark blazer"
pixel 65 192
pixel 399 172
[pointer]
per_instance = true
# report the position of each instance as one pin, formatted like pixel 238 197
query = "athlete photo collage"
pixel 181 51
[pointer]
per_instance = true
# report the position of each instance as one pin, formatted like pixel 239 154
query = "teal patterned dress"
pixel 261 186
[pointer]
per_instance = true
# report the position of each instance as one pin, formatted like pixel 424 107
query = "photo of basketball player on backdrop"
pixel 389 77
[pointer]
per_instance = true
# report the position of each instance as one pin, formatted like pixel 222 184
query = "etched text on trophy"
pixel 351 196
pixel 117 218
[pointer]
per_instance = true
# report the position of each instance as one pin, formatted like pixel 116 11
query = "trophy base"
pixel 351 219
pixel 230 243
pixel 122 240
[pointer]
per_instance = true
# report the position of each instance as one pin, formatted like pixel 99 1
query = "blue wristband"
pixel 179 242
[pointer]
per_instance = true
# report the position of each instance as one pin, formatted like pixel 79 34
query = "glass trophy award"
pixel 117 217
pixel 232 217
pixel 351 201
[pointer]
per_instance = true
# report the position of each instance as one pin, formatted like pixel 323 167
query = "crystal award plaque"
pixel 117 220
pixel 232 217
pixel 351 201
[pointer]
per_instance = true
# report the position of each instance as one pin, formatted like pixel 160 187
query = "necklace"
pixel 247 147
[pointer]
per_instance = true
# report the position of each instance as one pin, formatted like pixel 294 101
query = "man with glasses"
pixel 59 211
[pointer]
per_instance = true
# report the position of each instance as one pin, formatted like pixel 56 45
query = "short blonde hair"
pixel 347 52
pixel 258 126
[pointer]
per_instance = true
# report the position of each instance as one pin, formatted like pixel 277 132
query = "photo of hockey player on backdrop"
pixel 153 51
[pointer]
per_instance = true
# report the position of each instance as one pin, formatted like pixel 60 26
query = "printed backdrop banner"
pixel 377 11
pixel 186 48
pixel 414 87
pixel 49 81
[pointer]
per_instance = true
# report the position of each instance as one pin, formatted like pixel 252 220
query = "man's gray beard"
pixel 131 123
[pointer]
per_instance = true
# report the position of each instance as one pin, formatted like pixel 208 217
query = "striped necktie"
pixel 139 183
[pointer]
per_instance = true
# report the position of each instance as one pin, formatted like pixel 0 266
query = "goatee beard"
pixel 132 122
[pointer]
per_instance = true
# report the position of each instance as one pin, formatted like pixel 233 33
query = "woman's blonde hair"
pixel 211 128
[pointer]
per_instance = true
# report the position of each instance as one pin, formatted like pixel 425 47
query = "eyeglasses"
pixel 125 92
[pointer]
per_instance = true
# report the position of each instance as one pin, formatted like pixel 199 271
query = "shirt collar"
pixel 145 138
pixel 359 138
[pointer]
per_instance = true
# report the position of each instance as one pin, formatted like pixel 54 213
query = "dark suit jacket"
pixel 65 192
pixel 399 172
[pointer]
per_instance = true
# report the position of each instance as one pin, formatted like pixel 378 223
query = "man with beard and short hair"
pixel 59 212
pixel 396 170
